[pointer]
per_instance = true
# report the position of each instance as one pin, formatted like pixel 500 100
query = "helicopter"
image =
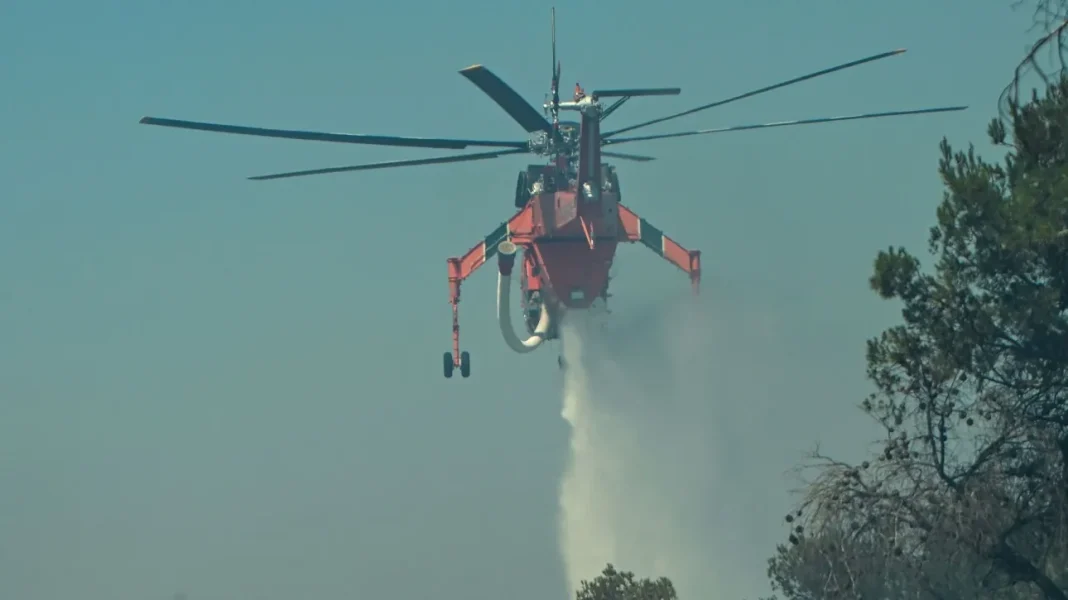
pixel 569 216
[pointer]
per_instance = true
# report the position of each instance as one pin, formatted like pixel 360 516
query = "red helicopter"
pixel 570 219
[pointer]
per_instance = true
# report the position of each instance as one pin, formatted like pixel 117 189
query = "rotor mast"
pixel 554 107
pixel 560 155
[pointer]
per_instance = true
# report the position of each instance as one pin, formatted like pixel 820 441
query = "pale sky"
pixel 233 388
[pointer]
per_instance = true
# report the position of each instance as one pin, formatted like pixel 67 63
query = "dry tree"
pixel 1047 59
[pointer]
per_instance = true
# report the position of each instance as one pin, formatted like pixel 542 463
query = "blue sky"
pixel 233 388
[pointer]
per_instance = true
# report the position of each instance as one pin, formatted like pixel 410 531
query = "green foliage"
pixel 968 494
pixel 621 585
pixel 994 311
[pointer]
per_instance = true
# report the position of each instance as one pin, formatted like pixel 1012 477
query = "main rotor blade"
pixel 634 157
pixel 506 98
pixel 784 124
pixel 348 138
pixel 635 92
pixel 760 91
pixel 389 164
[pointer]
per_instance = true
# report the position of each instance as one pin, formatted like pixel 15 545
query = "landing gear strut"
pixel 522 190
pixel 449 360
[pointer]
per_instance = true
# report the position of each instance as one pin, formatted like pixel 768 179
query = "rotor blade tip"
pixel 471 68
pixel 145 120
pixel 900 50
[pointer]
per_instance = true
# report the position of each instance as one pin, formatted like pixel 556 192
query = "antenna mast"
pixel 555 108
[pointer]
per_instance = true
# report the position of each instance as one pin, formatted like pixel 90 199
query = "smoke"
pixel 663 410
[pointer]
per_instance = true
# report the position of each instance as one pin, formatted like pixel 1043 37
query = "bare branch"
pixel 1051 17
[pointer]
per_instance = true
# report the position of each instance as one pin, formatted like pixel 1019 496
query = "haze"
pixel 232 389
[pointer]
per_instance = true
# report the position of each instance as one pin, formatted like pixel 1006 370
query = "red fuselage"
pixel 575 227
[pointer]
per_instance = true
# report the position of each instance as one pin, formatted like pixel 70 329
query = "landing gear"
pixel 609 176
pixel 522 190
pixel 449 363
pixel 465 364
pixel 560 362
pixel 532 310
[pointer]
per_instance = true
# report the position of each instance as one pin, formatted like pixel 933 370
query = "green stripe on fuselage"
pixel 652 237
pixel 499 235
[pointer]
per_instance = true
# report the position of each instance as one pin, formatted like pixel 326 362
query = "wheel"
pixel 560 361
pixel 465 364
pixel 522 190
pixel 448 364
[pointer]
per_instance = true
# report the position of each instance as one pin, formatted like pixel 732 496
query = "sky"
pixel 233 389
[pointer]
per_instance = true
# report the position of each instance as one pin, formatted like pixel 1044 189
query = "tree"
pixel 621 585
pixel 840 564
pixel 967 496
pixel 1050 18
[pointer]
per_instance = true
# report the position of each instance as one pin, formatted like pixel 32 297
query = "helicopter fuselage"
pixel 573 221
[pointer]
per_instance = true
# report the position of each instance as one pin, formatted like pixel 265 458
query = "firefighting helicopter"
pixel 570 218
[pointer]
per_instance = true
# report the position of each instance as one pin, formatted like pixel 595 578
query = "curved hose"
pixel 505 260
